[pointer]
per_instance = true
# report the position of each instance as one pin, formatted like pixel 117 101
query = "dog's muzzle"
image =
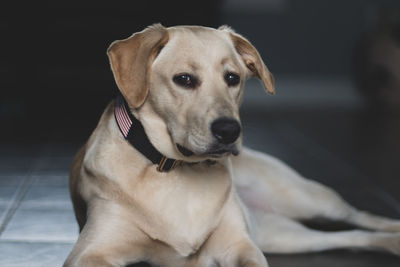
pixel 225 132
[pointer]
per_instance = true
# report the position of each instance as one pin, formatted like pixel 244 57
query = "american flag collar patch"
pixel 133 131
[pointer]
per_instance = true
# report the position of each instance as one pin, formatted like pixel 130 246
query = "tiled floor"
pixel 38 227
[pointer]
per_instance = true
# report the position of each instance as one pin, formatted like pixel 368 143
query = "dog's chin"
pixel 216 151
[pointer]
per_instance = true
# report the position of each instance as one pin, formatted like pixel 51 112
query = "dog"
pixel 164 177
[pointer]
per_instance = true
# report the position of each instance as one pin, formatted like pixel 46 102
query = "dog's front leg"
pixel 89 261
pixel 105 251
pixel 244 254
pixel 230 244
pixel 109 239
pixel 93 254
pixel 222 253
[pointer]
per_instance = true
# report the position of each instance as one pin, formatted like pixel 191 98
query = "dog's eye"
pixel 185 80
pixel 232 79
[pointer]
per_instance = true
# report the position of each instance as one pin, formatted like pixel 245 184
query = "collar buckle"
pixel 167 164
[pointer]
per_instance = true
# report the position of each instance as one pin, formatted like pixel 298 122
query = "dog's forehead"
pixel 199 43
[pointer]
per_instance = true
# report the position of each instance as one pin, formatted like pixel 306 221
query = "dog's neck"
pixel 133 131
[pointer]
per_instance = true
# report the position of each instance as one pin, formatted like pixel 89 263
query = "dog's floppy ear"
pixel 251 59
pixel 130 61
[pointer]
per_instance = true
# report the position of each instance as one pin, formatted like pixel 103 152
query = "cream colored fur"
pixel 224 214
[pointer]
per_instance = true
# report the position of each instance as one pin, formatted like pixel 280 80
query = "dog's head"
pixel 185 85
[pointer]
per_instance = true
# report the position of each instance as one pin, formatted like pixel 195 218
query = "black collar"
pixel 133 131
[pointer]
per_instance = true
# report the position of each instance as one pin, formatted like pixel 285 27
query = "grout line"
pixel 43 241
pixel 22 190
pixel 10 203
pixel 58 242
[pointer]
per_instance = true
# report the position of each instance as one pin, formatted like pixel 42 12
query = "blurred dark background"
pixel 55 74
pixel 335 117
pixel 54 70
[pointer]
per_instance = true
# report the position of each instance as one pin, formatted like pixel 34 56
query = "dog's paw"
pixel 393 227
pixel 395 245
pixel 388 242
pixel 253 264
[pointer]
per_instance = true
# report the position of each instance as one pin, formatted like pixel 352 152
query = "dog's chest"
pixel 182 209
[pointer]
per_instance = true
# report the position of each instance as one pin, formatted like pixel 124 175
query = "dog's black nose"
pixel 226 130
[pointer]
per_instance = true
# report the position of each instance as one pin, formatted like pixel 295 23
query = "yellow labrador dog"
pixel 164 179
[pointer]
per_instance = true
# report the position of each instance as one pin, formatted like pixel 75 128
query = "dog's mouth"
pixel 184 151
pixel 215 152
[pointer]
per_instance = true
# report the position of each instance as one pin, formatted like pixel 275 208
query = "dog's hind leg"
pixel 277 234
pixel 266 184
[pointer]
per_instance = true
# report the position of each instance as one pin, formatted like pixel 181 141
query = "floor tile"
pixel 2 213
pixel 335 258
pixel 32 254
pixel 15 159
pixel 51 178
pixel 7 194
pixel 11 179
pixel 15 167
pixel 47 197
pixel 59 163
pixel 42 225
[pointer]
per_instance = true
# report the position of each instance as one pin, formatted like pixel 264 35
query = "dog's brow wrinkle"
pixel 193 66
pixel 224 60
